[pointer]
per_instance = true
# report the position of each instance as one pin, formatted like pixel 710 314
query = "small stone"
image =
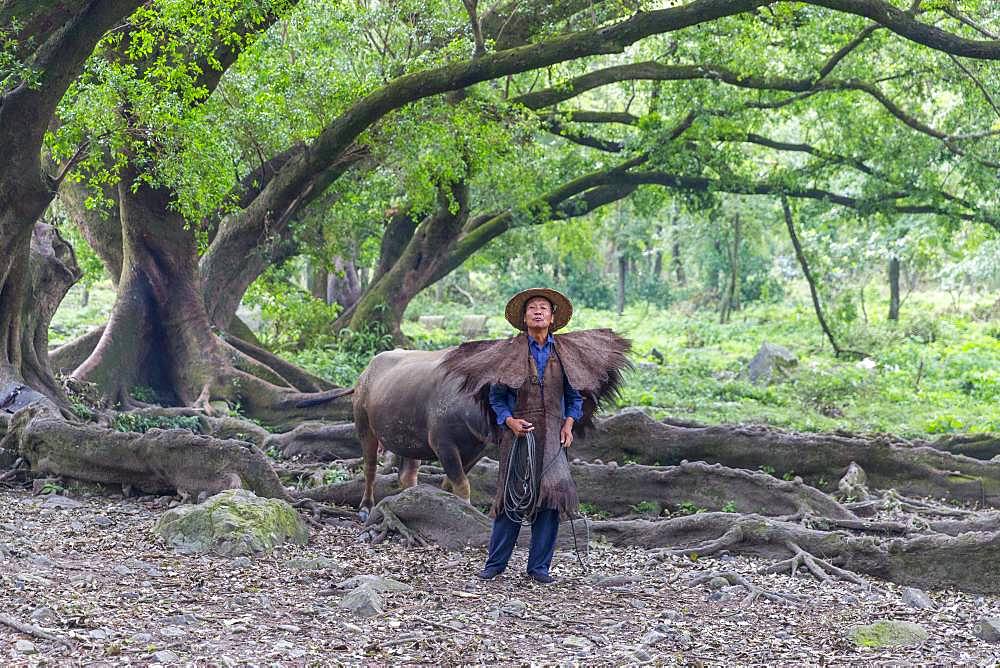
pixel 121 569
pixel 182 619
pixel 513 608
pixel 988 629
pixel 917 598
pixel 888 633
pixel 296 653
pixel 642 656
pixel 98 634
pixel 59 501
pixel 242 562
pixel 165 656
pixel 172 632
pixel 578 643
pixel 363 601
pixel 41 560
pixel 653 637
pixel 103 521
pixel 637 604
pixel 25 647
pixel 718 582
pixel 44 616
pixel 77 527
pixel 617 580
pixel 375 582
pixel 142 638
pixel 314 564
pixel 291 628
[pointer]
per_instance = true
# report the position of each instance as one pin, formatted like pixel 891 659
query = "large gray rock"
pixel 771 361
pixel 232 523
pixel 917 598
pixel 888 633
pixel 473 325
pixel 363 601
pixel 988 629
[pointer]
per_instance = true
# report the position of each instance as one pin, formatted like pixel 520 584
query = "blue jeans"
pixel 543 542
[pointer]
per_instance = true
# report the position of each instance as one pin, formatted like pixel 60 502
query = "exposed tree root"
pixel 822 459
pixel 819 568
pixel 753 592
pixel 317 441
pixel 384 523
pixel 158 461
pixel 933 560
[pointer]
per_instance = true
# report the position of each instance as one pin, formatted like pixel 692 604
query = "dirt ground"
pixel 94 575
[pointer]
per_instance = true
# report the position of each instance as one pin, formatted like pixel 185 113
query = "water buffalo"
pixel 405 402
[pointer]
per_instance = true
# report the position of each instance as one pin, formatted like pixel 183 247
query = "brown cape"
pixel 592 359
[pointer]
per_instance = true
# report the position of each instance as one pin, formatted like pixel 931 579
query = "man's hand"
pixel 519 427
pixel 566 434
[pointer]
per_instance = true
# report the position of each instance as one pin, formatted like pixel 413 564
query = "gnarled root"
pixel 753 592
pixel 383 522
pixel 821 569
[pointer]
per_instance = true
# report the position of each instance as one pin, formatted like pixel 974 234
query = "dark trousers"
pixel 543 541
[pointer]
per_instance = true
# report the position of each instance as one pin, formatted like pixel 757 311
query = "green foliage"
pixel 13 70
pixel 591 510
pixel 52 487
pixel 332 476
pixel 690 508
pixel 729 507
pixel 295 319
pixel 138 423
pixel 647 508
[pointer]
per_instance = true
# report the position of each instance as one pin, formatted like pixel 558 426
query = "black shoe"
pixel 488 573
pixel 542 578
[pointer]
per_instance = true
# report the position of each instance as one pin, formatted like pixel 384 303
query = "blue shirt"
pixel 503 399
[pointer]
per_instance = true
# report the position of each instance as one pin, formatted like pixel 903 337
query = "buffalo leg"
pixel 408 472
pixel 369 449
pixel 451 462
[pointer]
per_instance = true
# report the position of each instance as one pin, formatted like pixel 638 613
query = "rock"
pixel 44 616
pixel 473 325
pixel 642 656
pixel 770 361
pixel 616 580
pixel 374 582
pixel 232 523
pixel 25 647
pixel 718 582
pixel 888 633
pixel 363 601
pixel 182 619
pixel 165 656
pixel 242 562
pixel 437 517
pixel 314 564
pixel 103 521
pixel 140 638
pixel 220 407
pixel 653 637
pixel 514 608
pixel 917 598
pixel 41 560
pixel 431 321
pixel 172 632
pixel 58 501
pixel 988 629
pixel 578 643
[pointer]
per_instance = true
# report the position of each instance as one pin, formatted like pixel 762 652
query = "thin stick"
pixel 33 630
pixel 446 626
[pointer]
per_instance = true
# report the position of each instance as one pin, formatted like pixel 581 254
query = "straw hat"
pixel 562 307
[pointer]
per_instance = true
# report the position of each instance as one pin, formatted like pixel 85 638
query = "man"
pixel 537 387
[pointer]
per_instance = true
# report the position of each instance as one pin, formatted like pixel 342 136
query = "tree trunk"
pixel 316 280
pixel 622 276
pixel 894 288
pixel 677 263
pixel 343 283
pixel 382 305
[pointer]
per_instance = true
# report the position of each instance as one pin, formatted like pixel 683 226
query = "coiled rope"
pixel 522 481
